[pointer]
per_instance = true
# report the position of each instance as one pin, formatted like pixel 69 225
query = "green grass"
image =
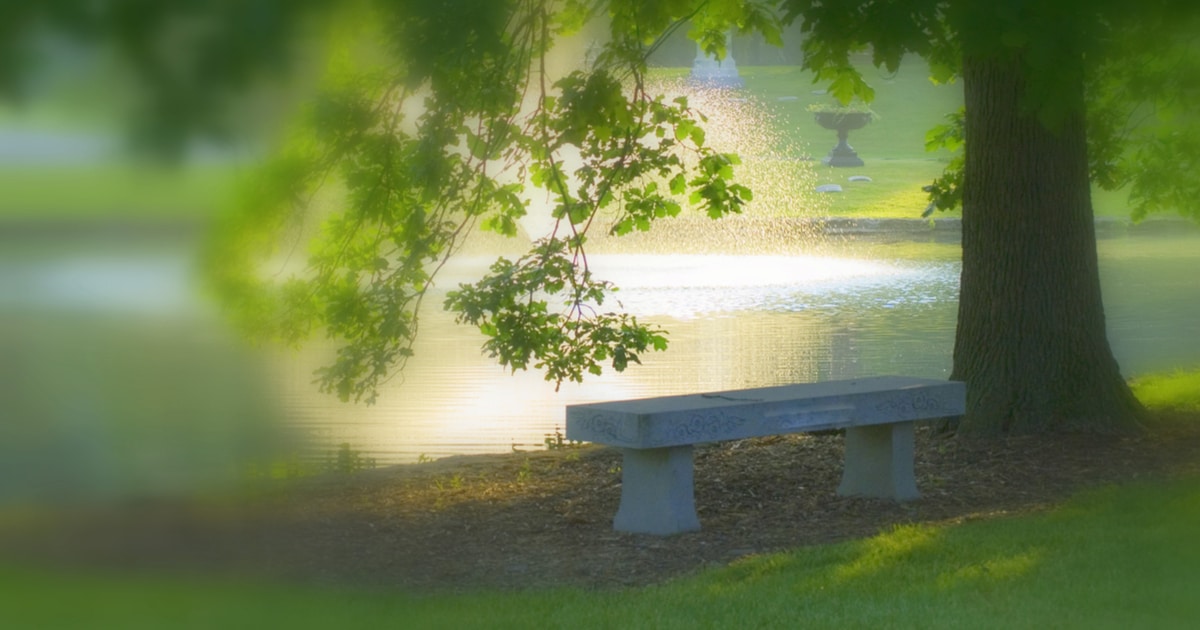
pixel 1175 390
pixel 103 406
pixel 893 147
pixel 908 105
pixel 111 191
pixel 1115 558
pixel 894 192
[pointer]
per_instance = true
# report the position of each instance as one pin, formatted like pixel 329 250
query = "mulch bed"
pixel 538 519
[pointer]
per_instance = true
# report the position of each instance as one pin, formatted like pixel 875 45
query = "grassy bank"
pixel 1176 391
pixel 1114 557
pixel 893 147
pixel 103 192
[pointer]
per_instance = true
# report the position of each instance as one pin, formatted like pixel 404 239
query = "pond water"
pixel 735 321
pixel 743 321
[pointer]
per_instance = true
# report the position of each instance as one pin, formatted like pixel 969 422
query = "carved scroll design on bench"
pixel 602 425
pixel 705 427
pixel 910 402
pixel 791 420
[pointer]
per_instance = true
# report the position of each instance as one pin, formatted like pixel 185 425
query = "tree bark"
pixel 1031 342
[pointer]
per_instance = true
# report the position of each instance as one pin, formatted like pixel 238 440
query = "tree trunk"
pixel 1031 343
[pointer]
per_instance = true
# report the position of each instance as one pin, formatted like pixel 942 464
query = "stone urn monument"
pixel 843 122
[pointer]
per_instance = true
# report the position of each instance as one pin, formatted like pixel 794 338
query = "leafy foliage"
pixel 407 149
pixel 1141 65
pixel 435 119
pixel 945 192
pixel 1143 132
pixel 190 58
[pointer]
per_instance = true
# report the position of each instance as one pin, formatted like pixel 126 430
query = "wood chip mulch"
pixel 539 519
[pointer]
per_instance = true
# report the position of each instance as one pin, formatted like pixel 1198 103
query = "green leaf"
pixel 683 129
pixel 678 184
pixel 1014 39
pixel 578 213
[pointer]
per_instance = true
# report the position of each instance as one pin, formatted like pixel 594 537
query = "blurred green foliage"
pixel 432 119
pixel 101 408
pixel 187 61
pixel 1116 557
pixel 423 131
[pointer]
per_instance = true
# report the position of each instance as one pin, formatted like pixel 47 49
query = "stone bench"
pixel 656 437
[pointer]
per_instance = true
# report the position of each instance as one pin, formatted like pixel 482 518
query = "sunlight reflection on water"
pixel 159 285
pixel 734 322
pixel 687 287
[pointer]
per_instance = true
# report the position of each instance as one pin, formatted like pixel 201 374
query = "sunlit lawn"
pixel 893 192
pixel 1112 558
pixel 1125 557
pixel 1178 390
pixel 1118 558
pixel 111 191
pixel 893 148
pixel 102 404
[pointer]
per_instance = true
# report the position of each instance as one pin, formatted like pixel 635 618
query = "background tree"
pixel 430 119
pixel 1031 341
pixel 189 61
pixel 431 124
pixel 432 116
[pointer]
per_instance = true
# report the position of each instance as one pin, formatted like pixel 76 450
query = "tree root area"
pixel 543 519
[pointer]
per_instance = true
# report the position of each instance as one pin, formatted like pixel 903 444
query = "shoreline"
pixel 748 225
pixel 539 520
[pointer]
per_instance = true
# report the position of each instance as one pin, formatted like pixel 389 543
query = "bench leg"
pixel 656 492
pixel 879 462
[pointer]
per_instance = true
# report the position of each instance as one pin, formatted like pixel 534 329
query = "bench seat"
pixel 656 436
